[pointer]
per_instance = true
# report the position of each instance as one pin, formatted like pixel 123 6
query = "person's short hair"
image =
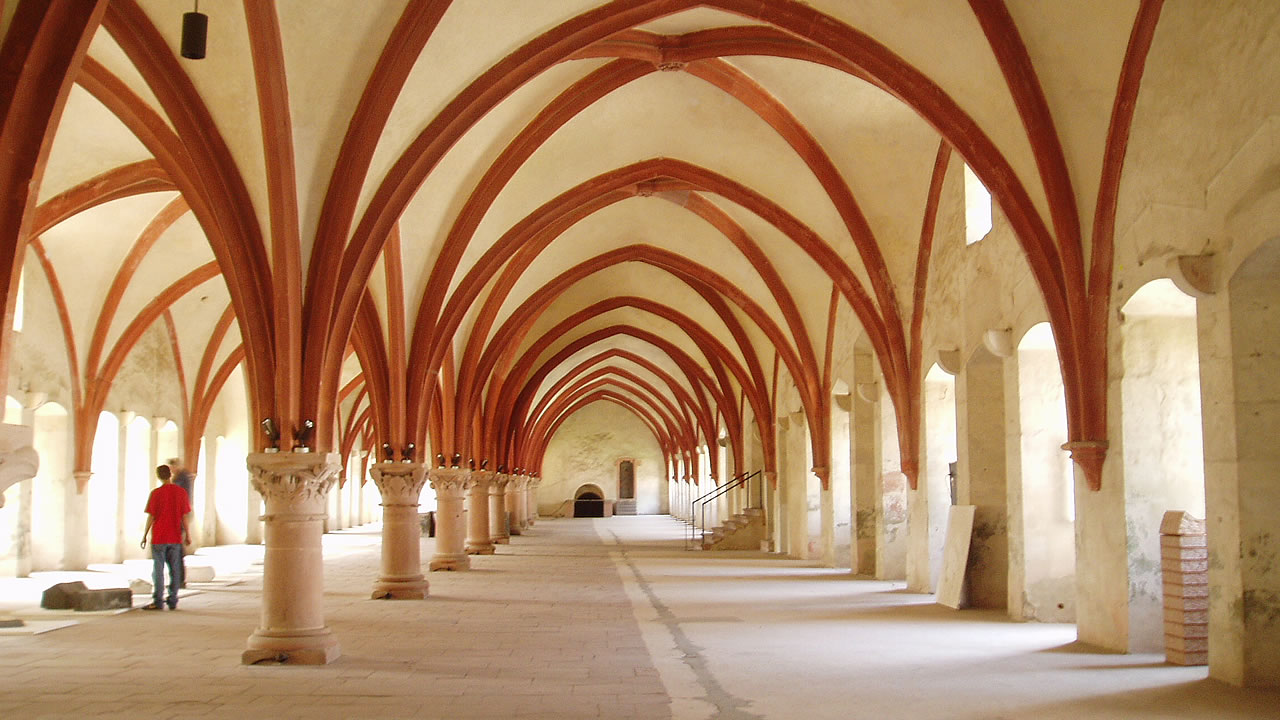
pixel 163 472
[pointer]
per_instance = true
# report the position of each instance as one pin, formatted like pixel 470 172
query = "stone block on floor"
pixel 104 599
pixel 200 573
pixel 61 596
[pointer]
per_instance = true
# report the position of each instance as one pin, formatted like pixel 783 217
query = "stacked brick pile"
pixel 1184 558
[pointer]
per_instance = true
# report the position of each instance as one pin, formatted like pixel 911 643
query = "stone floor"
pixel 598 618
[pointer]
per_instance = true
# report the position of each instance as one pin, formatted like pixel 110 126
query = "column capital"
pixel 293 477
pixel 499 483
pixel 451 481
pixel 482 478
pixel 399 483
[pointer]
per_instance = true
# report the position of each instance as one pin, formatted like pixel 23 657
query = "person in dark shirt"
pixel 168 510
pixel 185 479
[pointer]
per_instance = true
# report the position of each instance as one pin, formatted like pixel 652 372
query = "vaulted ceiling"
pixel 454 222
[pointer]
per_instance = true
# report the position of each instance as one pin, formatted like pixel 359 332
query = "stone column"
pixel 520 512
pixel 75 548
pixel 515 527
pixel 126 418
pixel 478 541
pixel 531 500
pixel 18 464
pixel 400 485
pixel 295 488
pixel 499 532
pixel 451 485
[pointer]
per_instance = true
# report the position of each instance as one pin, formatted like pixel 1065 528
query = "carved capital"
pixel 18 459
pixel 498 485
pixel 481 479
pixel 399 483
pixel 450 482
pixel 292 478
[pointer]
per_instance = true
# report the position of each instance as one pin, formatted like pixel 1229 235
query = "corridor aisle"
pixel 605 618
pixel 744 635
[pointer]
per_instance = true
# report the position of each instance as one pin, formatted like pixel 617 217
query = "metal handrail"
pixel 713 494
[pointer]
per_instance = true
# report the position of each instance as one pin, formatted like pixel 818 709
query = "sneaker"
pixel 153 606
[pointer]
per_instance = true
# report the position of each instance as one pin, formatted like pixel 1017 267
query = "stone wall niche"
pixel 1041 505
pixel 1162 443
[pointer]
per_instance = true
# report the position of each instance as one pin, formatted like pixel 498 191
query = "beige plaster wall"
pixel 1042 516
pixel 587 449
pixel 1162 454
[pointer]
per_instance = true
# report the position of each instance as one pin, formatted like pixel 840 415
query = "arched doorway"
pixel 588 501
pixel 1162 440
pixel 626 479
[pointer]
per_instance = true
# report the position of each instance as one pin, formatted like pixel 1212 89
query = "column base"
pixel 316 647
pixel 415 588
pixel 515 530
pixel 484 548
pixel 450 562
pixel 503 540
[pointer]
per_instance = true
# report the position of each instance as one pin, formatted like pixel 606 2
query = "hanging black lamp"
pixel 195 29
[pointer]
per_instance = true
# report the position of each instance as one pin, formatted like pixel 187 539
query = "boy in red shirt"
pixel 168 508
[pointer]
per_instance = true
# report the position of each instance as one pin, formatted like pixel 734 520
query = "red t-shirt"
pixel 167 504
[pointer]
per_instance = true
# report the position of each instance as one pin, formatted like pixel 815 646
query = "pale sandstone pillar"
pixel 499 531
pixel 18 464
pixel 478 541
pixel 75 548
pixel 400 485
pixel 531 499
pixel 295 488
pixel 451 485
pixel 521 510
pixel 514 526
pixel 773 513
pixel 121 543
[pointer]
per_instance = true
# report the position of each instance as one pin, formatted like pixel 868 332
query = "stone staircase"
pixel 743 531
pixel 625 506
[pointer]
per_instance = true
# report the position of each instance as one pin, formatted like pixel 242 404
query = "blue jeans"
pixel 166 554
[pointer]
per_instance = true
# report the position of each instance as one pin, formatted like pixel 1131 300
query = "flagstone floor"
pixel 606 618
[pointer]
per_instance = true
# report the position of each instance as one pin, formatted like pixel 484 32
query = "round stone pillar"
pixel 478 542
pixel 451 485
pixel 520 512
pixel 295 487
pixel 514 504
pixel 400 485
pixel 499 531
pixel 531 499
